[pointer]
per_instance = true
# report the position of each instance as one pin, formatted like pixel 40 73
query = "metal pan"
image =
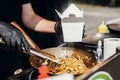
pixel 81 48
pixel 93 39
pixel 114 28
pixel 89 60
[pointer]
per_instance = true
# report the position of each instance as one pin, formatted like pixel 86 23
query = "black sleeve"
pixel 25 1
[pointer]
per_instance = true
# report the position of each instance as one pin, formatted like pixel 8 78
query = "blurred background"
pixel 99 2
pixel 97 11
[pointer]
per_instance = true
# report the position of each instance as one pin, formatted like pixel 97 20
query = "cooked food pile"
pixel 71 65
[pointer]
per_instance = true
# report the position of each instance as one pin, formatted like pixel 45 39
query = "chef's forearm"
pixel 35 22
pixel 45 26
pixel 40 25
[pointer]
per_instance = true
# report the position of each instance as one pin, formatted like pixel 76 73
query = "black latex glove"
pixel 59 33
pixel 13 38
pixel 58 28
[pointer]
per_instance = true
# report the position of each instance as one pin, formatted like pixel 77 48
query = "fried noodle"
pixel 71 65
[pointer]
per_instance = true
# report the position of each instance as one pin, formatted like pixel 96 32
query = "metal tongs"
pixel 42 54
pixel 38 53
pixel 34 49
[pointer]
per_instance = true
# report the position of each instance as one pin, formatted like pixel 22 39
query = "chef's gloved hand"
pixel 13 38
pixel 59 33
pixel 58 28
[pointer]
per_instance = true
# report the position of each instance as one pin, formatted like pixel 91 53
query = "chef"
pixel 38 19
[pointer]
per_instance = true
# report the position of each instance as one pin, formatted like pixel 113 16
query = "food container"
pixel 72 24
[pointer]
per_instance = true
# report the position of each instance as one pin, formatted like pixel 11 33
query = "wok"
pixel 94 38
pixel 88 59
pixel 114 28
pixel 82 49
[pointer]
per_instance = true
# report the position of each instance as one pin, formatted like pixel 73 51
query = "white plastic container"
pixel 72 24
pixel 73 31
